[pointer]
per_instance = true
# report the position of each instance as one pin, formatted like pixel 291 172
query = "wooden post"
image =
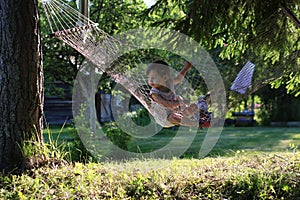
pixel 84 8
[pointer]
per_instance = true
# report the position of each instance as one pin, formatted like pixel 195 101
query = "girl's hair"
pixel 159 66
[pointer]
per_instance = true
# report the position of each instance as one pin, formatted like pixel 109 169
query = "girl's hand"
pixel 188 65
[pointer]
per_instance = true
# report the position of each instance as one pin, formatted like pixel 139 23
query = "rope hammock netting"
pixel 82 34
pixel 76 30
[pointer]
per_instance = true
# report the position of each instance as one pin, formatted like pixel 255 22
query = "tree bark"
pixel 21 80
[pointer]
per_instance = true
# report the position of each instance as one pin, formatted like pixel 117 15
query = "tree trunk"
pixel 21 80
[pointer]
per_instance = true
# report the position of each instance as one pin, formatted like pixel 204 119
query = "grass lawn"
pixel 65 139
pixel 60 132
pixel 231 140
pixel 264 139
pixel 268 172
pixel 262 176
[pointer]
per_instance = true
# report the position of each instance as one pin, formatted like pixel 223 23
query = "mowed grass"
pixel 230 141
pixel 259 138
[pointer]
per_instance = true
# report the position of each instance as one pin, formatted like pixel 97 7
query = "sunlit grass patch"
pixel 255 176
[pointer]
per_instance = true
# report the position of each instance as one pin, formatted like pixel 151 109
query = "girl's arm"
pixel 180 76
pixel 166 103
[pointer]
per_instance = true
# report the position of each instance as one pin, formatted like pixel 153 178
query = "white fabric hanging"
pixel 243 80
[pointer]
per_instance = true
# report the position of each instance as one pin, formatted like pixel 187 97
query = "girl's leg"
pixel 175 118
pixel 178 119
pixel 190 110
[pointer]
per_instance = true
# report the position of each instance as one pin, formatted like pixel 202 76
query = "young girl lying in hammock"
pixel 169 108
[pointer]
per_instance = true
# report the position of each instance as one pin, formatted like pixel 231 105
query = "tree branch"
pixel 290 14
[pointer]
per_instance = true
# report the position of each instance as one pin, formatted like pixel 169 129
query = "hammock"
pixel 73 28
pixel 76 30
